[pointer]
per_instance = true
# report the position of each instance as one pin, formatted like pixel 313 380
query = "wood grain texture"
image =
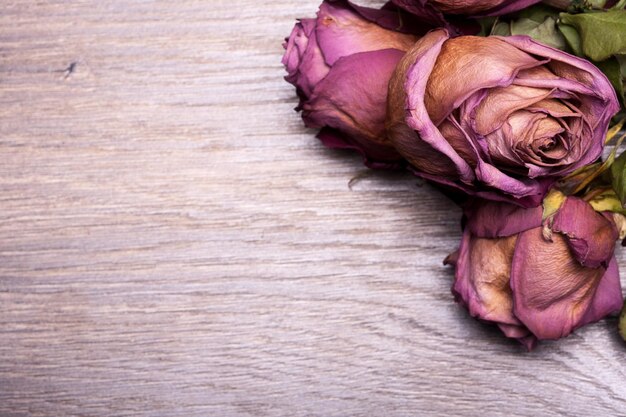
pixel 174 243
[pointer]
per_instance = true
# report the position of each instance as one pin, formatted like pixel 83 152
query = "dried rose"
pixel 341 64
pixel 537 281
pixel 435 9
pixel 497 117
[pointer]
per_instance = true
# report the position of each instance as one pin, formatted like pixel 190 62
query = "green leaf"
pixel 552 202
pixel 622 63
pixel 572 38
pixel 545 32
pixel 607 201
pixel 538 13
pixel 614 130
pixel 618 177
pixel 602 33
pixel 611 68
pixel 578 179
pixel 501 29
pixel 486 25
pixel 581 178
pixel 523 26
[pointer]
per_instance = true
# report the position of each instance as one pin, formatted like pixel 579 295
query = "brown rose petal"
pixel 455 136
pixel 499 103
pixel 490 263
pixel 554 108
pixel 455 76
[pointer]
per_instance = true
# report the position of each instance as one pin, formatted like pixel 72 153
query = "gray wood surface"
pixel 174 243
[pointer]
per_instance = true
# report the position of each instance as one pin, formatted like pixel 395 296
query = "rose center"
pixel 548 150
pixel 547 145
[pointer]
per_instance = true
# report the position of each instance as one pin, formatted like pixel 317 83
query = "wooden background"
pixel 174 243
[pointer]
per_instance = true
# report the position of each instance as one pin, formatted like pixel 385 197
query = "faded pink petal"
pixel 303 58
pixel 552 291
pixel 491 219
pixel 341 32
pixel 500 102
pixel 339 101
pixel 608 297
pixel 590 236
pixel 457 76
pixel 421 62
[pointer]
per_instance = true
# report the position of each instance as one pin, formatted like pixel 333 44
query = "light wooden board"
pixel 174 243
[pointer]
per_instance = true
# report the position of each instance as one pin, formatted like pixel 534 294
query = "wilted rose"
pixel 497 117
pixel 437 8
pixel 341 63
pixel 537 281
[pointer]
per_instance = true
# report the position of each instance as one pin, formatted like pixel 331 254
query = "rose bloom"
pixel 497 117
pixel 537 281
pixel 341 63
pixel 431 8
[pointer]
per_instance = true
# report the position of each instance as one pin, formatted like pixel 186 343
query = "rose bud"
pixel 497 117
pixel 341 63
pixel 536 285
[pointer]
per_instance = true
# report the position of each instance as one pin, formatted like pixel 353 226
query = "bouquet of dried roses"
pixel 508 106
